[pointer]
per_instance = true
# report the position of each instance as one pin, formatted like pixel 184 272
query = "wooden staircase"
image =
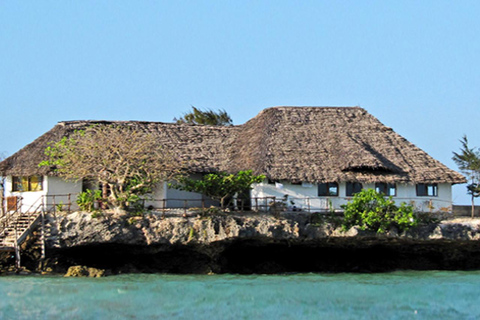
pixel 16 228
pixel 18 224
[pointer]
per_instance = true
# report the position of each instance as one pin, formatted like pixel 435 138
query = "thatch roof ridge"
pixel 136 122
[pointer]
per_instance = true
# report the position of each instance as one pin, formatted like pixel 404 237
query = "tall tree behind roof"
pixel 468 161
pixel 206 117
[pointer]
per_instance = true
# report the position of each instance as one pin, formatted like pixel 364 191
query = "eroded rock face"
pixel 80 228
pixel 256 244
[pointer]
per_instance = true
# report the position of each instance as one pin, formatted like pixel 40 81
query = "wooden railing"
pixel 65 202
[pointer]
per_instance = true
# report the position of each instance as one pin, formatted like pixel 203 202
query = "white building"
pixel 317 156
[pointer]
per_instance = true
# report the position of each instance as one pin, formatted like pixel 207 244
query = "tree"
pixel 468 161
pixel 123 159
pixel 207 117
pixel 220 186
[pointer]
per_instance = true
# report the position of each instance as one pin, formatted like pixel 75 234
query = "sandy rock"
pixel 82 271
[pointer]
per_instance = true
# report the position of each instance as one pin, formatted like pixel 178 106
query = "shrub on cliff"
pixel 219 186
pixel 370 210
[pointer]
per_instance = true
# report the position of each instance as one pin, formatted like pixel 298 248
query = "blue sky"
pixel 412 64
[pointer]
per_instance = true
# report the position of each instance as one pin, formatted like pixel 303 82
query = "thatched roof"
pixel 311 144
pixel 201 147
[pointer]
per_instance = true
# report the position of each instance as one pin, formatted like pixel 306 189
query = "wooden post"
pixel 104 196
pixel 473 207
pixel 69 202
pixel 256 204
pixel 2 197
pixel 203 205
pixel 43 233
pixel 184 208
pixel 274 205
pixel 17 250
pixel 54 206
pixel 164 206
pixel 20 206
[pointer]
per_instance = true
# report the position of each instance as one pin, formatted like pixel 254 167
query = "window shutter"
pixel 12 203
pixel 322 189
pixel 357 187
pixel 349 189
pixel 421 190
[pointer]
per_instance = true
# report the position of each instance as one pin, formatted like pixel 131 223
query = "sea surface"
pixel 397 295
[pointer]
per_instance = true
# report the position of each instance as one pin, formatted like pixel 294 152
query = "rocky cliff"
pixel 254 243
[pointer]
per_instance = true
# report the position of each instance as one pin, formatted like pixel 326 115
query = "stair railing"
pixel 10 216
pixel 20 237
pixel 28 215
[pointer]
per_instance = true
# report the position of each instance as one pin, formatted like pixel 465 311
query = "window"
pixel 33 183
pixel 328 189
pixel 427 190
pixel 353 187
pixel 388 189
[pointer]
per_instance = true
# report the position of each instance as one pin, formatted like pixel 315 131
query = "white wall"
pixel 441 203
pixel 156 198
pixel 176 198
pixel 58 190
pixel 305 196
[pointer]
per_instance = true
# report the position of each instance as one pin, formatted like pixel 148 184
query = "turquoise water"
pixel 398 295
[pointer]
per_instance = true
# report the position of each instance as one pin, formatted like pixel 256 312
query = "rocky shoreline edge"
pixel 79 245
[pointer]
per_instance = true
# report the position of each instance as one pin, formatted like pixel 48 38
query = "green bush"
pixel 86 200
pixel 59 206
pixel 370 210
